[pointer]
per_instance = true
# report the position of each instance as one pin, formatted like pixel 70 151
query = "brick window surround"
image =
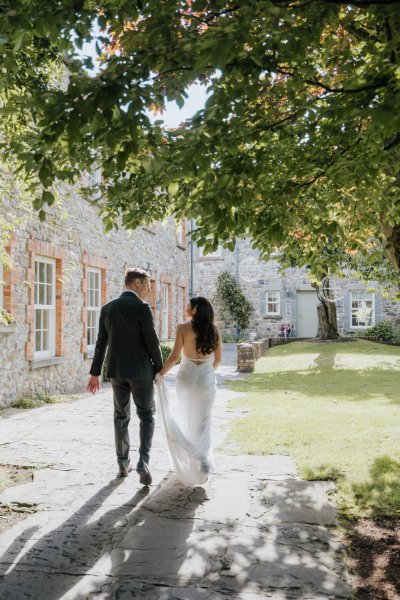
pixel 181 239
pixel 10 278
pixel 96 262
pixel 165 279
pixel 38 248
pixel 152 298
pixel 181 285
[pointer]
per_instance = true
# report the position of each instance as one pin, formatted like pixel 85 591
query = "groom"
pixel 134 357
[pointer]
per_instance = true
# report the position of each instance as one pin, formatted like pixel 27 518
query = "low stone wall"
pixel 260 346
pixel 278 341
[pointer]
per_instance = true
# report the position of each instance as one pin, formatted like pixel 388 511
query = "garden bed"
pixel 373 548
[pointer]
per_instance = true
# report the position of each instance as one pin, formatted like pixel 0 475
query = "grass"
pixel 36 400
pixel 335 408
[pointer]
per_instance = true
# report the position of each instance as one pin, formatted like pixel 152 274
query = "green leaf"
pixel 48 198
pixel 173 188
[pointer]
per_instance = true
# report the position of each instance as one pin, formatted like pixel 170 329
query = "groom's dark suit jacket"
pixel 126 326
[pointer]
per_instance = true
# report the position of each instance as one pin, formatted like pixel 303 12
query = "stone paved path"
pixel 255 531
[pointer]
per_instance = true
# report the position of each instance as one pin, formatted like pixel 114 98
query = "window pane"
pixel 46 340
pixel 42 293
pixel 46 319
pixel 42 272
pixel 97 298
pixel 49 295
pixel 49 273
pixel 38 319
pixel 38 341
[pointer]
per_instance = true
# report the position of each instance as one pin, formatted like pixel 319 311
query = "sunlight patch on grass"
pixel 356 362
pixel 336 423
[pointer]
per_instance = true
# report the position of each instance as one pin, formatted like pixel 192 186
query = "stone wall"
pixel 73 235
pixel 269 278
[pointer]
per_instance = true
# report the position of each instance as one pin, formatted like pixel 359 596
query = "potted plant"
pixel 5 317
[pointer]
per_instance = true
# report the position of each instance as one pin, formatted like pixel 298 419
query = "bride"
pixel 189 431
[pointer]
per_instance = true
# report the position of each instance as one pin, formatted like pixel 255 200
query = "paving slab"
pixel 254 531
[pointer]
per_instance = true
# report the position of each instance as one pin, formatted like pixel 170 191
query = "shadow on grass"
pixel 377 497
pixel 332 347
pixel 344 384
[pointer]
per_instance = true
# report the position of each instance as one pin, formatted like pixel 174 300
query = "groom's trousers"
pixel 143 397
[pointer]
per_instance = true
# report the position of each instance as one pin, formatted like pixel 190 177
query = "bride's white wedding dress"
pixel 187 423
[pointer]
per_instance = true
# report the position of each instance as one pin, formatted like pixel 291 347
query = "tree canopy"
pixel 298 143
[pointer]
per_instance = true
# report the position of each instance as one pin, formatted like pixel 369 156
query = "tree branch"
pixel 358 3
pixel 330 164
pixel 395 141
pixel 372 86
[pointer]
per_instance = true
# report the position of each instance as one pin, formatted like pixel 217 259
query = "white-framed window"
pixel 94 180
pixel 180 304
pixel 216 254
pixel 273 303
pixel 45 307
pixel 1 285
pixel 164 311
pixel 95 175
pixel 362 307
pixel 93 305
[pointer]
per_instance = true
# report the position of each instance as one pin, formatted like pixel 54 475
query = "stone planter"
pixel 246 358
pixel 8 328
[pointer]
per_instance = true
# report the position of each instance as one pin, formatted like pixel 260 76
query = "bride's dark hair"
pixel 203 325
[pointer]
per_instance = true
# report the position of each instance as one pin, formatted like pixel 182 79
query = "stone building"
pixel 63 271
pixel 286 299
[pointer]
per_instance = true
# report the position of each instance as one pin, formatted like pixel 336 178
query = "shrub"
pixel 166 351
pixel 36 400
pixel 233 339
pixel 233 301
pixel 381 331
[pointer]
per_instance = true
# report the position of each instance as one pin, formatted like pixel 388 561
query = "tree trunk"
pixel 327 321
pixel 327 317
pixel 391 244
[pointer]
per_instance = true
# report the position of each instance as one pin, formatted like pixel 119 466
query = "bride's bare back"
pixel 185 342
pixel 189 341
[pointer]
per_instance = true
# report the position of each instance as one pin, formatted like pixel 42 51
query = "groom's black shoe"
pixel 124 471
pixel 144 473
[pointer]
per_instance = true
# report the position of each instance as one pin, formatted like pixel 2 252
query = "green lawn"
pixel 335 408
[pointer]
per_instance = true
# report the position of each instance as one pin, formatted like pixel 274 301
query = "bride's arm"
pixel 218 352
pixel 176 350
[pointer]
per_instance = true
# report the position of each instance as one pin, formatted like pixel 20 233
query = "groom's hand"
pixel 94 384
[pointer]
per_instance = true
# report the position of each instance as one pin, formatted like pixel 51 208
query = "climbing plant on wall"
pixel 232 300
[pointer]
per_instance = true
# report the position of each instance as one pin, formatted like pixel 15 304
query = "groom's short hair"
pixel 135 273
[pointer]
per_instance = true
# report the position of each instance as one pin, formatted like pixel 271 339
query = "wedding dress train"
pixel 187 425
